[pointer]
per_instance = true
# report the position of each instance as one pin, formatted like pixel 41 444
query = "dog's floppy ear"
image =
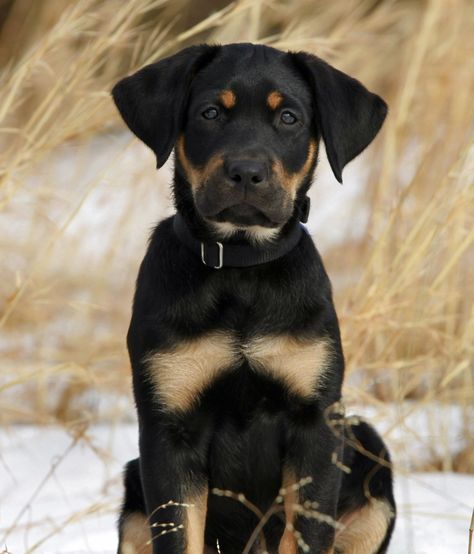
pixel 348 115
pixel 152 101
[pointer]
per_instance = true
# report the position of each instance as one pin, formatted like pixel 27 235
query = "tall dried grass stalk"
pixel 69 260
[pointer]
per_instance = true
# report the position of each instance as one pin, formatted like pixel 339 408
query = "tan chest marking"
pixel 300 364
pixel 180 375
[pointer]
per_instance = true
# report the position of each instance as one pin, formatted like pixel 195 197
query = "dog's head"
pixel 245 121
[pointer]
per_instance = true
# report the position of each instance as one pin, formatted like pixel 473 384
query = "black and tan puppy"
pixel 234 341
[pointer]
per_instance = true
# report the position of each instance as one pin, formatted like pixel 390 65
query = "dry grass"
pixel 77 198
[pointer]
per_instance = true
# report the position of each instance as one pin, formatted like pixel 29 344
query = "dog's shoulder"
pixel 167 269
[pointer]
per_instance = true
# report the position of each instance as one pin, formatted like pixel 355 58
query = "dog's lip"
pixel 243 208
pixel 244 213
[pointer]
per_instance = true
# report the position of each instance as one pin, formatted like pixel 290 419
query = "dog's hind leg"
pixel 133 527
pixel 366 505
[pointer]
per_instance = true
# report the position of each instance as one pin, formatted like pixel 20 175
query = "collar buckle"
pixel 220 255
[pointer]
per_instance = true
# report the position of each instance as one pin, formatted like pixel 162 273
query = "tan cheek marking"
pixel 197 176
pixel 212 165
pixel 136 535
pixel 196 523
pixel 365 528
pixel 228 99
pixel 274 99
pixel 290 181
pixel 191 171
pixel 301 365
pixel 288 541
pixel 180 375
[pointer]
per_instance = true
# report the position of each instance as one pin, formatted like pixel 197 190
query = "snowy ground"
pixel 59 493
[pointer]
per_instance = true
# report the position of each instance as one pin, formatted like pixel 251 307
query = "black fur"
pixel 133 501
pixel 368 478
pixel 152 100
pixel 347 114
pixel 246 426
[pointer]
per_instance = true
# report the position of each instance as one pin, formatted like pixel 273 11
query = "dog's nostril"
pixel 236 177
pixel 247 171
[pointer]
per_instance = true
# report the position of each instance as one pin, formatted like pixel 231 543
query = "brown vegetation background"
pixel 78 196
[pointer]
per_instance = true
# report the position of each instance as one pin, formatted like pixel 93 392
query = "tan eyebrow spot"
pixel 274 99
pixel 227 98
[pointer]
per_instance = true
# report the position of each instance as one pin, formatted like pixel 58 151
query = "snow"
pixel 60 492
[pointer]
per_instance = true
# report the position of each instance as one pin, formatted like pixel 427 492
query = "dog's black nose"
pixel 247 172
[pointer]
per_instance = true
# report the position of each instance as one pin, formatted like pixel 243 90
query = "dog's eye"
pixel 288 118
pixel 210 113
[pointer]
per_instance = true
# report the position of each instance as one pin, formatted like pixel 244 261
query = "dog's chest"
pixel 181 375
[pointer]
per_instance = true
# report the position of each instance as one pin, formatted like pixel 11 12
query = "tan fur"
pixel 136 535
pixel 197 176
pixel 181 374
pixel 228 99
pixel 274 99
pixel 365 529
pixel 195 524
pixel 255 233
pixel 290 181
pixel 300 364
pixel 192 173
pixel 288 541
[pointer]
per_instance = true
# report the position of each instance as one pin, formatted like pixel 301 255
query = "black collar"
pixel 238 254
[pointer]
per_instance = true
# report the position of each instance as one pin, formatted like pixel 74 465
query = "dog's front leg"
pixel 175 488
pixel 311 483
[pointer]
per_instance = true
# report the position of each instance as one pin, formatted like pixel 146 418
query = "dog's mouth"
pixel 244 214
pixel 268 207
